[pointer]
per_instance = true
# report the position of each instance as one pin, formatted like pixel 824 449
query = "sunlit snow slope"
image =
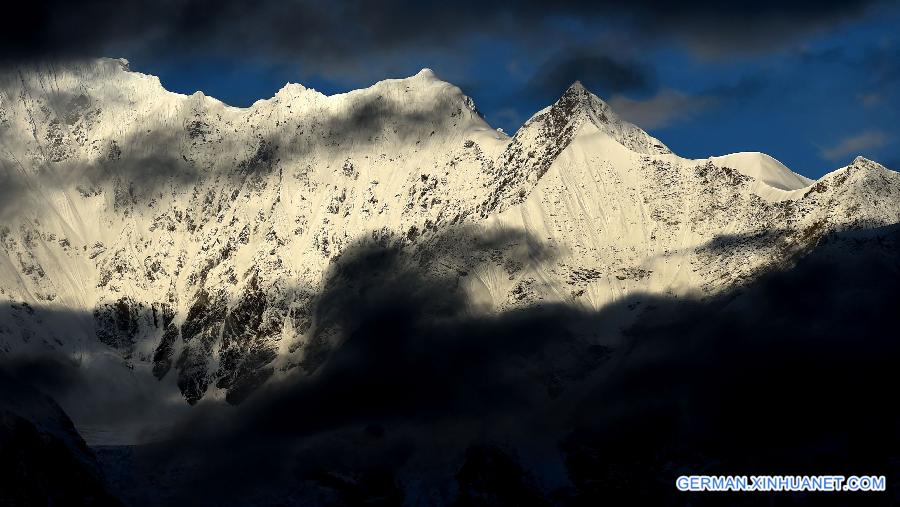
pixel 187 240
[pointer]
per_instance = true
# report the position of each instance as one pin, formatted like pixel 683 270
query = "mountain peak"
pixel 576 87
pixel 577 99
pixel 425 73
pixel 577 94
pixel 863 161
pixel 578 106
pixel 869 164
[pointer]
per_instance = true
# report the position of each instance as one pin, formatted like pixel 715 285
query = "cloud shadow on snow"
pixel 137 166
pixel 419 399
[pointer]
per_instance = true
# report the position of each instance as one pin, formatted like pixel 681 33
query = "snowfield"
pixel 176 246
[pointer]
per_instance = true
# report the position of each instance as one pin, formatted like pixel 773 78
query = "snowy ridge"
pixel 188 239
pixel 764 168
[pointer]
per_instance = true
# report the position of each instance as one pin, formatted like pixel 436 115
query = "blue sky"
pixel 813 83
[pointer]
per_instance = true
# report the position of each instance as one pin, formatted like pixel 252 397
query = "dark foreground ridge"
pixel 416 400
pixel 43 460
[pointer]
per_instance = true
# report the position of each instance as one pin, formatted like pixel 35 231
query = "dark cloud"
pixel 877 66
pixel 631 88
pixel 417 398
pixel 329 32
pixel 98 391
pixel 715 28
pixel 745 88
pixel 882 65
pixel 44 372
pixel 789 375
pixel 395 359
pixel 667 106
pixel 824 56
pixel 602 74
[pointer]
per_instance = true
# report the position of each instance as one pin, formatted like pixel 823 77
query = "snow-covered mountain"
pixel 188 240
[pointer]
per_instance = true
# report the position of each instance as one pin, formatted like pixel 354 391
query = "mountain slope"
pixel 193 239
pixel 764 168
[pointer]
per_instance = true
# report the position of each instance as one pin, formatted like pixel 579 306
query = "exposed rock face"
pixel 194 236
